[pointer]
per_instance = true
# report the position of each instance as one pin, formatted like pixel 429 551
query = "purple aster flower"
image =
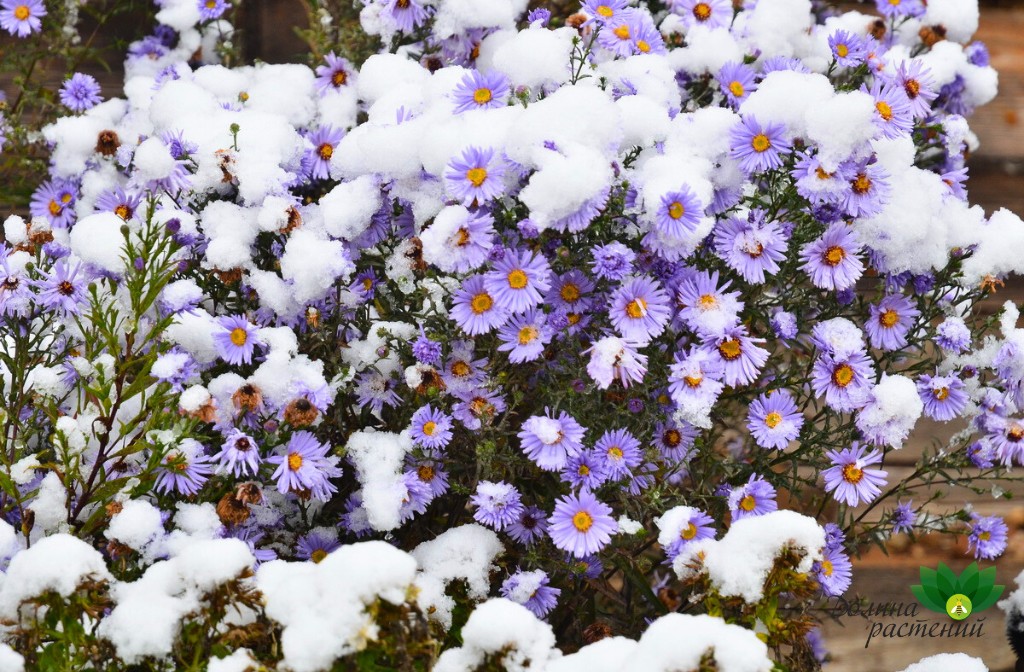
pixel 708 13
pixel 430 427
pixel 893 115
pixel 519 280
pixel 474 308
pixel 679 213
pixel 122 204
pixel 239 454
pixel 614 359
pixel 850 479
pixel 497 504
pixel 982 454
pixel 174 367
pixel 212 9
pixel 739 354
pixel 334 74
pixel 63 289
pixel 988 536
pixel 524 336
pixel 783 63
pixel 571 290
pixel 736 81
pixel 848 50
pixel 868 189
pixel 80 92
pixel 478 91
pixel 54 200
pixel 916 81
pixel 640 309
pixel 892 8
pixel 406 15
pixel 459 240
pixel 620 451
pixel 903 518
pixel 316 545
pixel 375 390
pixel 681 526
pixel 305 466
pixel 429 470
pixel 539 16
pixel 581 524
pixel 706 307
pixel 477 406
pixel 613 261
pixel 756 497
pixel 531 590
pixel 647 39
pixel 619 30
pixel 977 54
pixel 550 441
pixel 674 440
pixel 695 381
pixel 425 350
pixel 184 469
pixel 955 182
pixel 236 339
pixel 15 294
pixel 530 527
pixel 784 325
pixel 774 420
pixel 831 261
pixel 316 163
pixel 603 10
pixel 1007 438
pixel 842 380
pixel 834 572
pixel 758 148
pixel 953 335
pixel 752 247
pixel 475 177
pixel 585 471
pixel 890 321
pixel 22 17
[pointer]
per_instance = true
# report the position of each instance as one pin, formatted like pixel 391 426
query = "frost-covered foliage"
pixel 508 343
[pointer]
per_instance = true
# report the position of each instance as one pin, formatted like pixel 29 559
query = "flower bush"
pixel 533 334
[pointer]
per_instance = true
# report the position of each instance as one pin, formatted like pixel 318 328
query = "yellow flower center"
pixel 730 349
pixel 21 12
pixel 913 88
pixel 1015 433
pixel 833 255
pixel 429 427
pixel 941 394
pixel 761 143
pixel 688 532
pixel 517 279
pixel 772 420
pixel 842 51
pixel 826 567
pixel 676 210
pixel 884 110
pixel 708 301
pixel 123 211
pixel 570 293
pixel 481 303
pixel 573 318
pixel 748 503
pixel 985 536
pixel 672 438
pixel 643 47
pixel 482 96
pixel 888 318
pixel 605 11
pixel 694 380
pixel 843 375
pixel 476 176
pixel 582 521
pixel 294 461
pixel 318 555
pixel 462 237
pixel 852 474
pixel 702 11
pixel 326 151
pixel 461 369
pixel 528 335
pixel 583 470
pixel 55 208
pixel 425 472
pixel 622 32
pixel 339 78
pixel 615 453
pixel 736 89
pixel 636 308
pixel 239 336
pixel 823 174
pixel 862 184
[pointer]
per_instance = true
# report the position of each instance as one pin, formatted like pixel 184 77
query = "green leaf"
pixel 929 577
pixel 995 592
pixel 922 595
pixel 969 580
pixel 987 577
pixel 946 581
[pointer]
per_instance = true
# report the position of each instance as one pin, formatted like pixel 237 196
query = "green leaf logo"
pixel 943 591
